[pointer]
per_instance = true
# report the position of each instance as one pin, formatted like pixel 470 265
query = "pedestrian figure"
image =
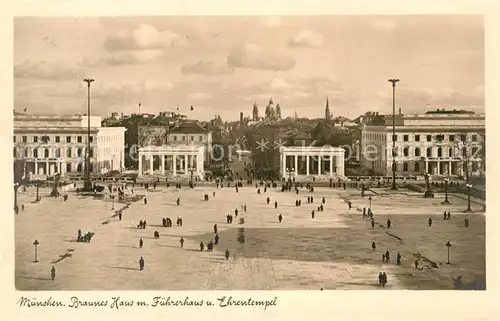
pixel 350 204
pixel 416 264
pixel 312 199
pixel 449 216
pixel 79 235
pixel 268 200
pixel 53 273
pixel 312 214
pixel 398 259
pixel 380 279
pixel 156 235
pixel 202 246
pixel 258 191
pixel 373 223
pixel 227 218
pixel 364 212
pixel 296 203
pixel 430 221
pixel 387 257
pixel 300 203
pixel 373 246
pixel 182 242
pixel 120 216
pixel 215 228
pixel 216 239
pixel 275 204
pixel 280 218
pixel 178 201
pixel 213 194
pixel 265 189
pixel 445 216
pixel 383 257
pixel 226 254
pixel 245 207
pixel 321 207
pixel 236 212
pixel 141 264
pixel 389 223
pixel 384 279
pixel 141 243
pixel 145 201
pixel 466 222
pixel 323 200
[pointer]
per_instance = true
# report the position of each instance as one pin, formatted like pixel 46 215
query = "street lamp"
pixel 16 187
pixel 36 251
pixel 446 180
pixel 88 184
pixel 112 202
pixel 448 245
pixel 393 81
pixel 469 186
pixel 370 200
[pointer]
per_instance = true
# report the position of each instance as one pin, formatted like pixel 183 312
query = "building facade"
pixel 438 143
pixel 58 144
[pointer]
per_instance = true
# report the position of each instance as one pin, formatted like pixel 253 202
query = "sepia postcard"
pixel 242 164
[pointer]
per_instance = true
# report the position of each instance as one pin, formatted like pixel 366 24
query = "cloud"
pixel 46 70
pixel 119 58
pixel 307 38
pixel 279 83
pixel 143 37
pixel 199 96
pixel 253 57
pixel 206 68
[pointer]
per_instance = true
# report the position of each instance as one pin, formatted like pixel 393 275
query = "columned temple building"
pixel 58 144
pixel 176 160
pixel 325 161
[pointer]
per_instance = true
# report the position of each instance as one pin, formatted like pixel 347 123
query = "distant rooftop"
pixel 454 111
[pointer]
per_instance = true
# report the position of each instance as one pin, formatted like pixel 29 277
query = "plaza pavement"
pixel 332 251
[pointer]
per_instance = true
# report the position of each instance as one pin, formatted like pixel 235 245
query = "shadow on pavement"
pixel 35 278
pixel 123 268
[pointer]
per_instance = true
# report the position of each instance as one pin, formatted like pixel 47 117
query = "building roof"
pixel 188 128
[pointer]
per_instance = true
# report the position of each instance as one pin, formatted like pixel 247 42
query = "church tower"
pixel 255 112
pixel 278 111
pixel 328 115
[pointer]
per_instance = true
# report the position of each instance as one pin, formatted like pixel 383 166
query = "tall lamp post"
pixel 393 81
pixel 446 201
pixel 88 183
pixel 448 245
pixel 16 188
pixel 469 186
pixel 36 251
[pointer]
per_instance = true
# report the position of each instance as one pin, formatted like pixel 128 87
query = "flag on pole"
pixel 192 108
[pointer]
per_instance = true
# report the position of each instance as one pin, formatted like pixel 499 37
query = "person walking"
pixel 226 254
pixel 466 222
pixel 280 218
pixel 430 221
pixel 141 243
pixel 141 264
pixel 373 246
pixel 389 223
pixel 182 242
pixel 202 246
pixel 53 273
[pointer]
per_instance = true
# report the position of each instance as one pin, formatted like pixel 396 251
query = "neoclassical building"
pixel 321 161
pixel 58 144
pixel 172 160
pixel 439 143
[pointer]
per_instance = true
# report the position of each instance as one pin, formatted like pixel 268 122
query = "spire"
pixel 296 113
pixel 327 110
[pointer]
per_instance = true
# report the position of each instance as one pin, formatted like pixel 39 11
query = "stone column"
pixel 438 167
pixel 450 168
pixel 174 164
pixel 140 163
pixel 307 165
pixel 296 164
pixel 47 168
pixel 319 164
pixel 163 164
pixel 36 167
pixel 62 168
pixel 186 164
pixel 151 164
pixel 51 167
pixel 427 166
pixel 331 165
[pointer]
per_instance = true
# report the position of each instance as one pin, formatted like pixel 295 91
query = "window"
pixel 57 153
pixel 440 152
pixel 395 138
pixel 68 152
pixel 192 138
pixel 175 138
pixel 417 167
pixel 91 152
pixel 405 152
pixel 464 151
pixel 452 138
pixel 46 153
pixel 405 138
pixel 79 152
pixel 45 138
pixel 474 138
pixel 183 138
pixel 15 152
pixel 58 139
pixel 417 138
pixel 429 138
pixel 79 139
pixel 405 167
pixel 35 139
pixel 68 139
pixel 463 138
pixel 68 168
pixel 14 138
pixel 429 152
pixel 91 139
pixel 25 139
pixel 450 152
pixel 417 151
pixel 35 153
pixel 200 138
pixel 27 152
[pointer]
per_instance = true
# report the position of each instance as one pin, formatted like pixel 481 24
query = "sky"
pixel 223 64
